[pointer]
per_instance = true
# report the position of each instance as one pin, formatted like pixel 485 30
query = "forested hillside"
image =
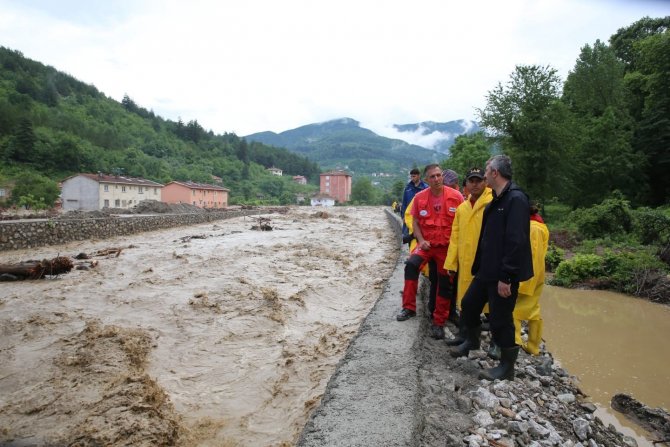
pixel 52 125
pixel 343 143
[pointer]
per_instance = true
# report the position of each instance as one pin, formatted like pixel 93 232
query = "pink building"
pixel 198 194
pixel 336 184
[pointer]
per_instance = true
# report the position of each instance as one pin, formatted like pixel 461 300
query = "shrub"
pixel 613 216
pixel 580 268
pixel 651 226
pixel 554 257
pixel 631 271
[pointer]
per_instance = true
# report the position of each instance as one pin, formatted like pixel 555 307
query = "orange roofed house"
pixel 198 194
pixel 336 184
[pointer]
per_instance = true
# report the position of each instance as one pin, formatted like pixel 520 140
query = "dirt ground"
pixel 210 335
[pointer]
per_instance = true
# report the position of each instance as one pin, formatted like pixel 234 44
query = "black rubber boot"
pixel 460 337
pixel 505 369
pixel 471 342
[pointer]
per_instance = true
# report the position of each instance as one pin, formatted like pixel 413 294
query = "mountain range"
pixel 344 144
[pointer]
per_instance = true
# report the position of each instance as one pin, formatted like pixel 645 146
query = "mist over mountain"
pixel 435 136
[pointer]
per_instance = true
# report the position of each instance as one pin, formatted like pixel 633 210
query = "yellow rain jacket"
pixel 409 221
pixel 464 238
pixel 528 302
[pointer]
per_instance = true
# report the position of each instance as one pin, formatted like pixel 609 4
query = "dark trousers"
pixel 501 309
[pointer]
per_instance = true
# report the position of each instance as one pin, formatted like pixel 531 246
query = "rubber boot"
pixel 517 332
pixel 505 369
pixel 494 351
pixel 460 337
pixel 534 337
pixel 471 342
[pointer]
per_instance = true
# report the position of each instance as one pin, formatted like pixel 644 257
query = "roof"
pixel 194 185
pixel 118 179
pixel 337 173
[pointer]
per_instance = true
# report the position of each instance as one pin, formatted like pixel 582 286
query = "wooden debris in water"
pixel 36 269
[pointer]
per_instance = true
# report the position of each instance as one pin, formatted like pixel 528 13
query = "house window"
pixel 106 188
pixel 155 191
pixel 106 203
pixel 140 190
pixel 194 195
pixel 123 189
pixel 117 203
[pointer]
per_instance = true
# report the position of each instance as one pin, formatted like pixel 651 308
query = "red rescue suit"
pixel 434 216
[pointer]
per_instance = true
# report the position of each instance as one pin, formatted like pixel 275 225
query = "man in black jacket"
pixel 503 260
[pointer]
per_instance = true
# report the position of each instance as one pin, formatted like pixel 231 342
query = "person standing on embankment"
pixel 502 260
pixel 465 236
pixel 433 213
pixel 528 303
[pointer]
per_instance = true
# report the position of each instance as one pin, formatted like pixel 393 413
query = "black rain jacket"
pixel 503 252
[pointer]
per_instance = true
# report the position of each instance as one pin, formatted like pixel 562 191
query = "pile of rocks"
pixel 542 406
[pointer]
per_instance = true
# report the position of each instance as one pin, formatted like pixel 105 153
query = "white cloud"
pixel 265 65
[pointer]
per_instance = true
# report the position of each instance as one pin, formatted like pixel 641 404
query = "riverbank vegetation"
pixel 612 246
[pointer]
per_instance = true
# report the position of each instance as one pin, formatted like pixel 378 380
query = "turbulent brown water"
pixel 614 344
pixel 227 338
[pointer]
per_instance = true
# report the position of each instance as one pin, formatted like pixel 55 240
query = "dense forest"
pixel 52 126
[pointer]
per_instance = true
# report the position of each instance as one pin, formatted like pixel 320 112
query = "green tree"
pixel 363 192
pixel 468 151
pixel 528 119
pixel 604 158
pixel 39 187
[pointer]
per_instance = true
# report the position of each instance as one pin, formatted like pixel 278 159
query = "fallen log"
pixel 654 420
pixel 37 269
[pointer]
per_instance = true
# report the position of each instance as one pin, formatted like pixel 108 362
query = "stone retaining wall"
pixel 15 235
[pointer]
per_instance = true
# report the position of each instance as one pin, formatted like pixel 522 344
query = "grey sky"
pixel 259 65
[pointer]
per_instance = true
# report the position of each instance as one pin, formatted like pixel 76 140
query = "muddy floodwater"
pixel 614 344
pixel 212 335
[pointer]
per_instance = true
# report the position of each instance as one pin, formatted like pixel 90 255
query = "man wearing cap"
pixel 414 185
pixel 433 213
pixel 502 260
pixel 465 236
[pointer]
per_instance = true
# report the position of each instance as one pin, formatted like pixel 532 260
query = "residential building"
pixel 275 171
pixel 301 179
pixel 198 194
pixel 322 200
pixel 89 192
pixel 336 184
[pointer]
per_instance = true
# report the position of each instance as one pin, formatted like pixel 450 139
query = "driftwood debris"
pixel 36 269
pixel 109 252
pixel 654 420
pixel 263 224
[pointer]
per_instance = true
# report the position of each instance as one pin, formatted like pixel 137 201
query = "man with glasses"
pixel 414 186
pixel 432 216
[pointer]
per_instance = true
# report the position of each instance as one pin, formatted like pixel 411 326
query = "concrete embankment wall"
pixel 15 235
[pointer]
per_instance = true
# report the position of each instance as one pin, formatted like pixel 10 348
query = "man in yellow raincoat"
pixel 528 302
pixel 465 236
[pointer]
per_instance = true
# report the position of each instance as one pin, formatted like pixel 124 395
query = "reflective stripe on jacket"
pixel 436 226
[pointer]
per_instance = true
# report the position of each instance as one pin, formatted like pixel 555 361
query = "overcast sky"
pixel 247 66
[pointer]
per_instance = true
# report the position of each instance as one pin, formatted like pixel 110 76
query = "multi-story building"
pixel 336 184
pixel 89 192
pixel 198 194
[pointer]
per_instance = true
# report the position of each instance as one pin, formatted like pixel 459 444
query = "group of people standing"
pixel 485 253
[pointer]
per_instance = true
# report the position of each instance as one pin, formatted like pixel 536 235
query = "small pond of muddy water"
pixel 615 344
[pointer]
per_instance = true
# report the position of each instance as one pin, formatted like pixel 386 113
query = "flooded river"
pixel 615 344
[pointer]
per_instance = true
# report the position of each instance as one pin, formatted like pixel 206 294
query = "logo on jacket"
pixel 423 213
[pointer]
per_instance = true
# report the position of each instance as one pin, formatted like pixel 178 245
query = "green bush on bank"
pixel 626 271
pixel 613 217
pixel 554 257
pixel 651 226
